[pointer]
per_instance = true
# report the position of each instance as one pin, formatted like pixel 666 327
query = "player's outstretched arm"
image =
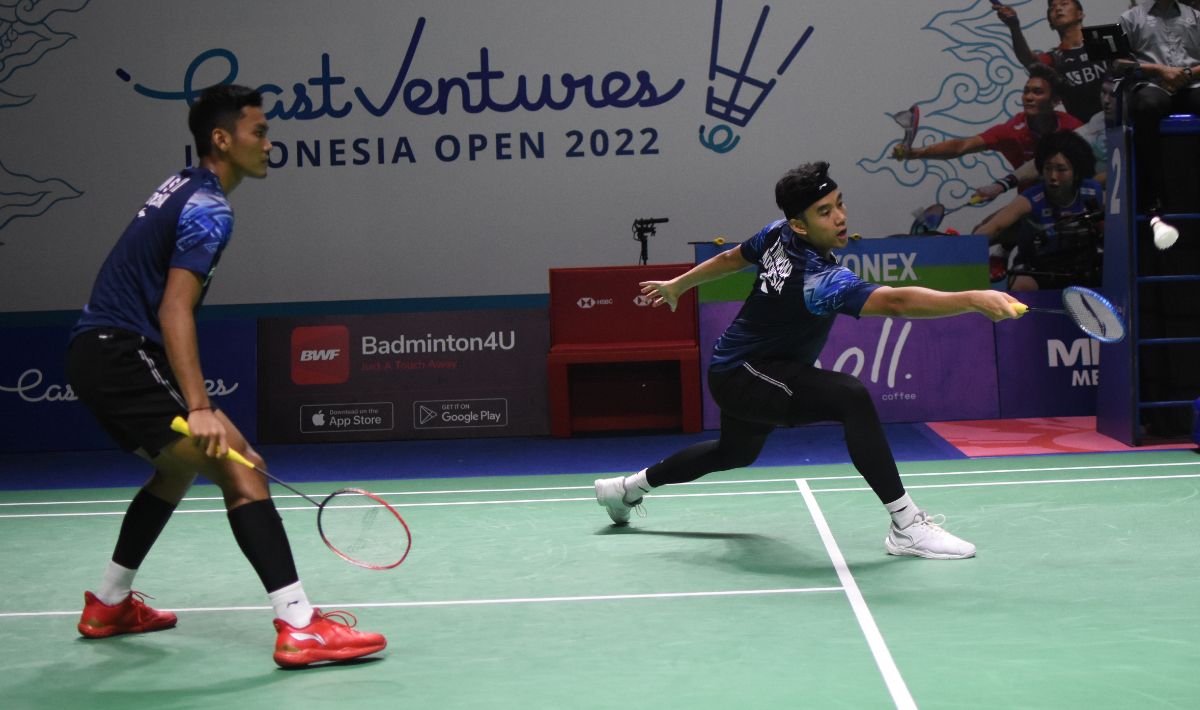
pixel 1021 48
pixel 945 150
pixel 1005 218
pixel 920 302
pixel 668 293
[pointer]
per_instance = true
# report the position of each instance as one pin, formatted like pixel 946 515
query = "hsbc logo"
pixel 320 355
pixel 589 302
pixel 642 300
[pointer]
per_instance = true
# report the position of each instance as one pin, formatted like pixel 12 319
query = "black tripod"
pixel 643 229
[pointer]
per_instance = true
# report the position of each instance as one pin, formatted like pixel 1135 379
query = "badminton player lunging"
pixel 134 362
pixel 762 373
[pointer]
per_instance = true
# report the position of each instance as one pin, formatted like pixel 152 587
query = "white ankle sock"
pixel 636 487
pixel 291 605
pixel 117 583
pixel 904 511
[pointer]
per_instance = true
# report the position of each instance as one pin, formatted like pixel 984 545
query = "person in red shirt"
pixel 1017 137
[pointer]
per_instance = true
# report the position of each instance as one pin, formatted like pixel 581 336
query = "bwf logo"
pixel 320 355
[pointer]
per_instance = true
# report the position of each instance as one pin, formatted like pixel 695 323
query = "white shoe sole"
pixel 892 549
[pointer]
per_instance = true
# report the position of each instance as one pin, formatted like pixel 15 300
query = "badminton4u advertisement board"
pixel 440 375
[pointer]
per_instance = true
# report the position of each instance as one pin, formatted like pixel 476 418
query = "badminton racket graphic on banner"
pixel 927 220
pixel 1092 313
pixel 908 119
pixel 356 525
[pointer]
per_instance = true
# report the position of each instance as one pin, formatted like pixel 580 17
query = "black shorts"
pixel 782 392
pixel 126 382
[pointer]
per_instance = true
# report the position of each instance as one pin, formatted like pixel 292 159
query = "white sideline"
pixel 879 650
pixel 478 602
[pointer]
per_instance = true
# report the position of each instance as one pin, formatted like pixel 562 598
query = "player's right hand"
pixel 900 152
pixel 208 431
pixel 660 293
pixel 996 305
pixel 1008 15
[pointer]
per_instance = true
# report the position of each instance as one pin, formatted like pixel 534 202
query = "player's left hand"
pixel 987 193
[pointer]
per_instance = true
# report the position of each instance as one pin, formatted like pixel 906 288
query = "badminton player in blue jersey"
pixel 762 373
pixel 134 362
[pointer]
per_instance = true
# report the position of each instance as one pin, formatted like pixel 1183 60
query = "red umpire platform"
pixel 615 362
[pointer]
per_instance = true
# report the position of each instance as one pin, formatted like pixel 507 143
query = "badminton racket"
pixel 357 525
pixel 1090 311
pixel 927 220
pixel 910 121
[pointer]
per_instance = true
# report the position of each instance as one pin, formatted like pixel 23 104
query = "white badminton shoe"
pixel 926 538
pixel 610 495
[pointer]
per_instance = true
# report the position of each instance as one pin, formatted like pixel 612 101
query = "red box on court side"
pixel 615 362
pixel 321 355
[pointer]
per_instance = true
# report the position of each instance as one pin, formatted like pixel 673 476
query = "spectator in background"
pixel 1055 250
pixel 1082 76
pixel 1092 132
pixel 1165 38
pixel 1017 137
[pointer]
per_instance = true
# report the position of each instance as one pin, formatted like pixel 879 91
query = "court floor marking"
pixel 479 602
pixel 447 504
pixel 982 484
pixel 866 621
pixel 535 489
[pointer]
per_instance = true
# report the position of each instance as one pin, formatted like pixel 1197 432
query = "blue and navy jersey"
pixel 796 296
pixel 185 224
pixel 1044 214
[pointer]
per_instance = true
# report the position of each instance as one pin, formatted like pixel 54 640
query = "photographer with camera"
pixel 1054 224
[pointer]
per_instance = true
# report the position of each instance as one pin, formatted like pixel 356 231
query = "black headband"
pixel 812 194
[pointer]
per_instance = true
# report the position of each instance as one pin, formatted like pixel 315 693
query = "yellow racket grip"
pixel 1020 308
pixel 180 426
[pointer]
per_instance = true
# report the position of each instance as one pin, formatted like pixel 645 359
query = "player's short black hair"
pixel 219 106
pixel 794 191
pixel 1074 148
pixel 1047 73
pixel 1050 4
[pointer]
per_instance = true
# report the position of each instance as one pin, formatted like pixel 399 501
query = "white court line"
pixel 981 484
pixel 477 602
pixel 883 657
pixel 448 504
pixel 541 488
pixel 531 489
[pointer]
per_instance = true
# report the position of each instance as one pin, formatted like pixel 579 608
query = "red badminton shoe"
pixel 329 636
pixel 131 616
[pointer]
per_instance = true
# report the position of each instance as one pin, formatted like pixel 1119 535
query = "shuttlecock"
pixel 1164 234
